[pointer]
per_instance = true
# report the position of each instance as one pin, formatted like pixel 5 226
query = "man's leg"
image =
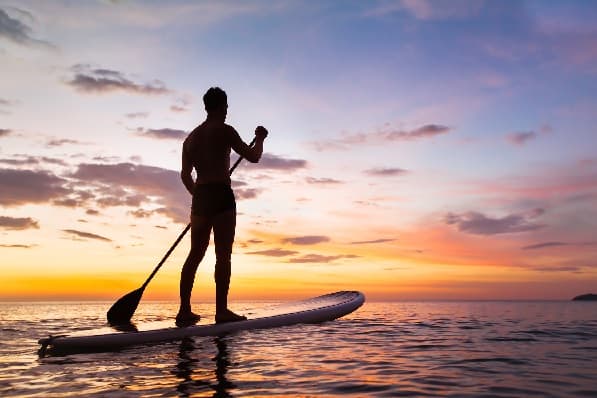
pixel 200 231
pixel 224 225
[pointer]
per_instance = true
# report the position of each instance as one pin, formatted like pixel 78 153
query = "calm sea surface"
pixel 463 349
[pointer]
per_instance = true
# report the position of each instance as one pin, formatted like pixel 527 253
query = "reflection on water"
pixel 188 369
pixel 468 349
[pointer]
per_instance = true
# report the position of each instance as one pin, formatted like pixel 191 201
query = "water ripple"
pixel 501 349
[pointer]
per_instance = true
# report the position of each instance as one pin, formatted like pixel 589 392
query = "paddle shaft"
pixel 183 233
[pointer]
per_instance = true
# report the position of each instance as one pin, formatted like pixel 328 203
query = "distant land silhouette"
pixel 586 297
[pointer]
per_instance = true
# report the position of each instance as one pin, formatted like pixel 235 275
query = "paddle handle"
pixel 183 233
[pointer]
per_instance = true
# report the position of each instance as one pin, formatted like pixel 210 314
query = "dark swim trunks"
pixel 211 199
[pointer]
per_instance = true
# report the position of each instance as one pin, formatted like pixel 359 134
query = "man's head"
pixel 216 102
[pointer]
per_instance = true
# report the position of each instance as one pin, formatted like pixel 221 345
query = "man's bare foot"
pixel 187 319
pixel 229 316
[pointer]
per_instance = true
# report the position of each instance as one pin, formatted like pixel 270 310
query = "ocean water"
pixel 403 349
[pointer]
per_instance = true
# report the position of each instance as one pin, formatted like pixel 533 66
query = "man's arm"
pixel 186 170
pixel 252 154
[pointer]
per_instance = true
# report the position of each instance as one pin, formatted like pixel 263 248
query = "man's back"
pixel 208 149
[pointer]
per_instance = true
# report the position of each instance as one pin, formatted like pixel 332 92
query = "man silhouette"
pixel 207 150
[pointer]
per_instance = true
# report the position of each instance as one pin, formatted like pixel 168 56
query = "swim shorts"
pixel 211 199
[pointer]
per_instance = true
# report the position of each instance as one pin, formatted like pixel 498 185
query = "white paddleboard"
pixel 313 310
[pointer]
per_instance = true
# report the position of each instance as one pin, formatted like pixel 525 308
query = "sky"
pixel 418 150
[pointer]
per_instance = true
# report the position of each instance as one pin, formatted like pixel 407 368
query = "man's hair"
pixel 214 98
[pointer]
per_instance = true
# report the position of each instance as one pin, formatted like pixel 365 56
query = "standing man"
pixel 207 149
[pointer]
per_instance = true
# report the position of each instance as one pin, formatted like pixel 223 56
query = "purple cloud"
pixel 177 108
pixel 323 181
pixel 274 252
pixel 428 130
pixel 366 242
pixel 62 141
pixel 25 186
pixel 521 137
pixel 543 245
pixel 306 240
pixel 88 80
pixel 317 258
pixel 86 235
pixel 18 223
pixel 141 183
pixel 480 224
pixel 16 31
pixel 386 172
pixel 277 163
pixel 26 160
pixel 246 193
pixel 382 137
pixel 141 213
pixel 162 134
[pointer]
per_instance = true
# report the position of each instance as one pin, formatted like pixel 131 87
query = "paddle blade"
pixel 122 311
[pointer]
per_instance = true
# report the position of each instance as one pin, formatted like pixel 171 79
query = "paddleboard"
pixel 314 310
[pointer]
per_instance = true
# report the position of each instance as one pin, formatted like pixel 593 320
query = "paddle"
pixel 122 310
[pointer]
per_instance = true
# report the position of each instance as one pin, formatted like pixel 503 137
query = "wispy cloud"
pixel 367 242
pixel 386 172
pixel 162 134
pixel 136 115
pixel 278 163
pixel 18 246
pixel 247 193
pixel 178 108
pixel 141 213
pixel 181 105
pixel 318 258
pixel 346 141
pixel 544 245
pixel 99 81
pixel 323 181
pixel 18 223
pixel 26 160
pixel 480 224
pixel 568 268
pixel 17 31
pixel 56 142
pixel 521 137
pixel 306 240
pixel 86 235
pixel 274 252
pixel 26 186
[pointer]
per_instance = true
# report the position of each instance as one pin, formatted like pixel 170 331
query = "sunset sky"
pixel 418 149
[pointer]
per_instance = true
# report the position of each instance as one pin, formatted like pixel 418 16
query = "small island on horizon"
pixel 586 297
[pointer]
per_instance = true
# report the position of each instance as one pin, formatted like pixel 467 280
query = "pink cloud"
pixel 86 235
pixel 346 141
pixel 99 81
pixel 306 240
pixel 521 137
pixel 20 187
pixel 480 224
pixel 18 223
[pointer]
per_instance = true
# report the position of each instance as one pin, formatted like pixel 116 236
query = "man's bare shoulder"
pixel 229 128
